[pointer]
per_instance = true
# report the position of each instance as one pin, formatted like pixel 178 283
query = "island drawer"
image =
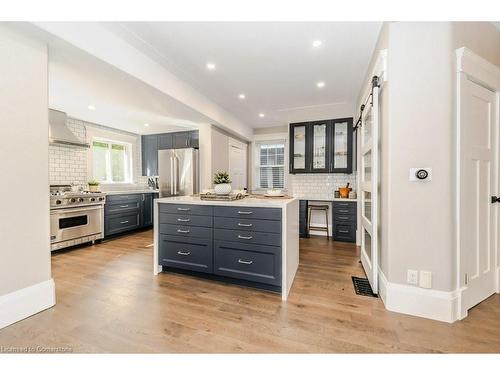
pixel 193 254
pixel 248 262
pixel 185 231
pixel 186 220
pixel 271 239
pixel 123 198
pixel 270 226
pixel 118 208
pixel 186 209
pixel 248 212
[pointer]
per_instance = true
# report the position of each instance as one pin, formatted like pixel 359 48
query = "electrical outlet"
pixel 425 279
pixel 412 277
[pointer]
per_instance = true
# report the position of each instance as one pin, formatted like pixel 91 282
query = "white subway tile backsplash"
pixel 320 186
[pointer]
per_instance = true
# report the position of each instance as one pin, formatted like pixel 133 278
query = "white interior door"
pixel 368 188
pixel 238 166
pixel 478 183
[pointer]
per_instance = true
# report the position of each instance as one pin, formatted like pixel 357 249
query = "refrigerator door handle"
pixel 176 174
pixel 171 175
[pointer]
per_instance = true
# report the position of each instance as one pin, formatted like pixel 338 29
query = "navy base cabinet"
pixel 127 212
pixel 344 221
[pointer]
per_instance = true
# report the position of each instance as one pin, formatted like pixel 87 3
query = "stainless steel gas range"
pixel 75 217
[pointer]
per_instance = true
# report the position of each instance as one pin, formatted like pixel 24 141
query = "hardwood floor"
pixel 109 301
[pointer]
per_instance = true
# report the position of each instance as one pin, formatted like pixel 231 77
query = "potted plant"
pixel 93 185
pixel 222 183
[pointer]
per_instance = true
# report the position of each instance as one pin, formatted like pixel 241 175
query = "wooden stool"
pixel 318 207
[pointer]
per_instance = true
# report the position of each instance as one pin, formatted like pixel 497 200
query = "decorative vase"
pixel 93 187
pixel 222 189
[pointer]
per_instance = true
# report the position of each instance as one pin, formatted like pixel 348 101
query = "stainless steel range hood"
pixel 59 132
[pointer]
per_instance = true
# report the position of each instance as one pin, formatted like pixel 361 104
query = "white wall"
pixel 24 162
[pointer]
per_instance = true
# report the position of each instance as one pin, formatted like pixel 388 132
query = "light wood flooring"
pixel 109 301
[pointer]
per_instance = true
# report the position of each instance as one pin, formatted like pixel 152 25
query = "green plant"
pixel 93 183
pixel 222 177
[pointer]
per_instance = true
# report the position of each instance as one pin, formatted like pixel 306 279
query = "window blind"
pixel 271 165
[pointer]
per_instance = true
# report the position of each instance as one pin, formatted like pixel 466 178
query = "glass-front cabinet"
pixel 321 146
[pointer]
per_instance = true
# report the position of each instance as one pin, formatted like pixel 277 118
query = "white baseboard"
pixel 25 302
pixel 412 300
pixel 498 280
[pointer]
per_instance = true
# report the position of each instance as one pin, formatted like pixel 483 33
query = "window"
pixel 270 163
pixel 111 161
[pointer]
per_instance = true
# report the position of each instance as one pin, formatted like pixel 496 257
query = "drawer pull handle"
pixel 124 222
pixel 185 253
pixel 182 231
pixel 344 211
pixel 245 212
pixel 125 206
pixel 183 209
pixel 245 261
pixel 343 231
pixel 184 220
pixel 244 225
pixel 344 204
pixel 343 217
pixel 244 237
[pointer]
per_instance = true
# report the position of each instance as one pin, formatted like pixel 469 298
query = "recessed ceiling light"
pixel 242 96
pixel 261 115
pixel 320 84
pixel 146 125
pixel 210 66
pixel 317 43
pixel 91 107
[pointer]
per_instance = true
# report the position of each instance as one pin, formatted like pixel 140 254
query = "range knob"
pixel 101 199
pixel 92 199
pixel 58 201
pixel 73 200
pixel 80 199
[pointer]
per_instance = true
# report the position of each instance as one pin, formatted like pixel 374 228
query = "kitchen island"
pixel 251 241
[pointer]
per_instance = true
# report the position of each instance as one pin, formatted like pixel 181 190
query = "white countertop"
pixel 130 191
pixel 325 199
pixel 247 202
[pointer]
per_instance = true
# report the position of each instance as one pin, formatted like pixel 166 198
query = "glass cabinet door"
pixel 299 147
pixel 319 147
pixel 342 146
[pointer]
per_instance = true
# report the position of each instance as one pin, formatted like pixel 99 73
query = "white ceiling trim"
pixel 103 44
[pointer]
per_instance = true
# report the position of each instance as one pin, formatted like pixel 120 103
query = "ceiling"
pixel 274 64
pixel 77 80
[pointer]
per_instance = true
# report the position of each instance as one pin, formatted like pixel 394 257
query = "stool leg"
pixel 327 230
pixel 308 220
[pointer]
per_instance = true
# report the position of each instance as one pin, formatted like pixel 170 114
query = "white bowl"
pixel 274 192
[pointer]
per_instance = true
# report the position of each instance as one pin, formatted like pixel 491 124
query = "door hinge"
pixel 466 279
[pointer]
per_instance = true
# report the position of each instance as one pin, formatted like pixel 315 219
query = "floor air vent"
pixel 362 287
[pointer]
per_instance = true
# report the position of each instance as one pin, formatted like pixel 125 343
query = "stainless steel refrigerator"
pixel 179 172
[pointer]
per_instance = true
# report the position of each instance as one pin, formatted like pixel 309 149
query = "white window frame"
pixel 99 134
pixel 264 139
pixel 127 165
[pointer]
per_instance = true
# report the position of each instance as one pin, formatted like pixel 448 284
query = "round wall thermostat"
pixel 422 174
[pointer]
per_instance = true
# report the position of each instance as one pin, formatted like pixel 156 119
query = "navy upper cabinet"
pixel 321 146
pixel 182 140
pixel 154 142
pixel 149 145
pixel 165 141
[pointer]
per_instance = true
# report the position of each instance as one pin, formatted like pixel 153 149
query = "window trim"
pixel 129 174
pixel 268 139
pixel 102 132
